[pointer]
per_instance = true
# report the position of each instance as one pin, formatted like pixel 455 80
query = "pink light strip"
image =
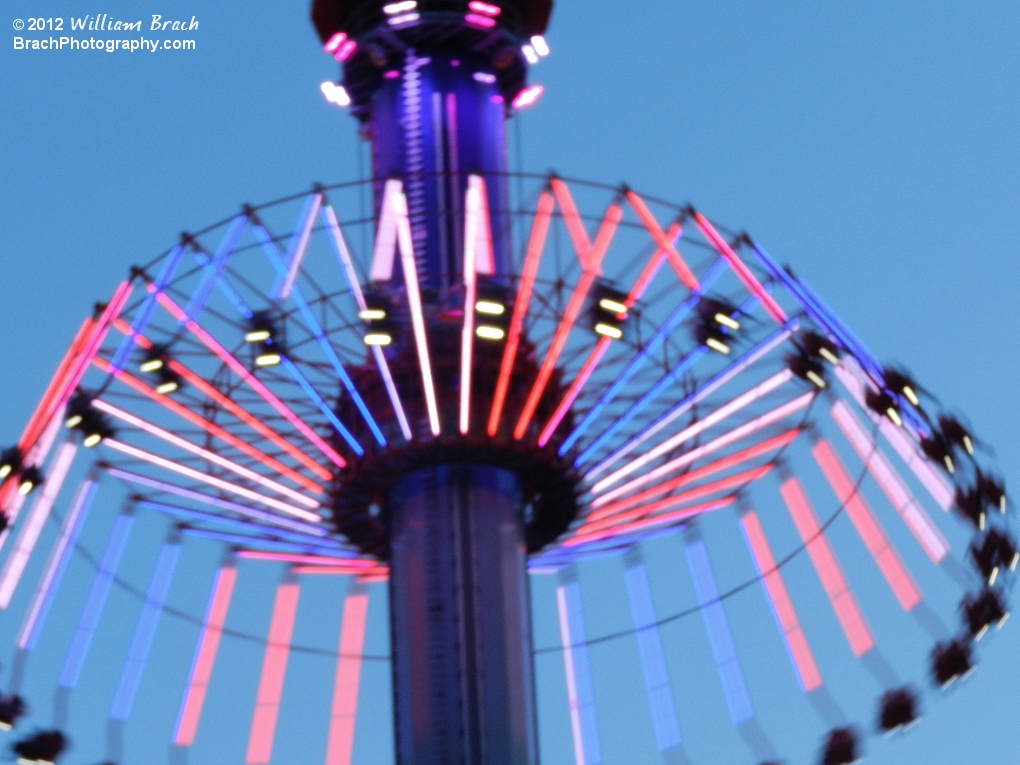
pixel 187 446
pixel 218 483
pixel 572 220
pixel 310 560
pixel 591 270
pixel 14 567
pixel 738 433
pixel 913 514
pixel 340 745
pixel 674 517
pixel 648 509
pixel 740 269
pixel 539 230
pixel 410 269
pixel 274 669
pixel 867 526
pixel 367 575
pixel 340 246
pixel 472 224
pixel 11 499
pixel 782 606
pixel 731 460
pixel 683 271
pixel 299 240
pixel 253 382
pixel 827 568
pixel 855 382
pixel 205 655
pixel 636 291
pixel 733 406
pixel 214 430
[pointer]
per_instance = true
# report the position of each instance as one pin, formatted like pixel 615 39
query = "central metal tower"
pixel 432 84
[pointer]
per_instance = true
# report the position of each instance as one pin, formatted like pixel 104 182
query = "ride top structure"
pixel 491 394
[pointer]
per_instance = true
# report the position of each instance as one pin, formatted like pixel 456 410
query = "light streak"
pixel 343 713
pixel 310 560
pixel 662 241
pixel 646 523
pixel 782 607
pixel 472 223
pixel 580 694
pixel 213 268
pixel 299 244
pixel 827 568
pixel 536 242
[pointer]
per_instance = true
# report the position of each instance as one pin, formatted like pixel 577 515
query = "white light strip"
pixel 913 514
pixel 472 206
pixel 721 442
pixel 344 254
pixel 15 565
pixel 855 382
pixel 410 270
pixel 299 243
pixel 386 235
pixel 187 446
pixel 240 491
pixel 699 426
pixel 711 387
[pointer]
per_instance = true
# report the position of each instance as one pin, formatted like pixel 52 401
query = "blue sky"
pixel 872 146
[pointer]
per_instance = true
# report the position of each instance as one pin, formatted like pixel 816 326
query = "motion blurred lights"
pixel 31 477
pixel 42 747
pixel 817 346
pixel 997 550
pixel 263 335
pixel 10 462
pixel 983 610
pixel 954 432
pixel 529 53
pixel 393 9
pixel 841 747
pixel 487 9
pixel 900 383
pixel 334 42
pixel 897 709
pixel 11 708
pixel 346 50
pixel 82 417
pixel 883 404
pixel 609 311
pixel 485 77
pixel 951 660
pixel 487 332
pixel 528 96
pixel 375 314
pixel 335 94
pixel 540 45
pixel 403 19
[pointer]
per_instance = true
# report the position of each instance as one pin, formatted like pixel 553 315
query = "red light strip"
pixel 827 568
pixel 205 656
pixel 777 442
pixel 572 220
pixel 723 484
pixel 354 564
pixel 782 606
pixel 662 240
pixel 658 520
pixel 253 382
pixel 606 231
pixel 867 526
pixel 214 430
pixel 367 575
pixel 643 280
pixel 539 229
pixel 740 269
pixel 274 669
pixel 340 745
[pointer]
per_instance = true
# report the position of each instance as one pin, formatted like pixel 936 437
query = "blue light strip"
pixel 223 504
pixel 738 700
pixel 263 238
pixel 653 661
pixel 667 328
pixel 57 565
pixel 144 313
pixel 323 406
pixel 224 286
pixel 268 544
pixel 145 631
pixel 212 270
pixel 239 525
pixel 95 602
pixel 580 692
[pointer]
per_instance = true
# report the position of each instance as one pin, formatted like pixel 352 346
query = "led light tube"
pixel 213 268
pixel 309 560
pixel 647 523
pixel 472 224
pixel 299 244
pixel 323 407
pixel 683 271
pixel 580 693
pixel 344 709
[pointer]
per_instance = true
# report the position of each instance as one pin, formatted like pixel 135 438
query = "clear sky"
pixel 870 145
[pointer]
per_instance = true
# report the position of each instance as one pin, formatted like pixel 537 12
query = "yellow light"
pixel 718 345
pixel 487 332
pixel 256 335
pixel 167 387
pixel 266 360
pixel 1002 499
pixel 372 314
pixel 968 444
pixel 613 306
pixel 490 307
pixel 5 470
pixel 727 321
pixel 994 576
pixel 1014 561
pixel 894 416
pixel 378 338
pixel 73 421
pixel 816 378
pixel 981 633
pixel 5 726
pixel 949 464
pixel 981 522
pixel 609 330
pixel 828 355
pixel 91 440
pixel 911 396
pixel 151 365
pixel 25 488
